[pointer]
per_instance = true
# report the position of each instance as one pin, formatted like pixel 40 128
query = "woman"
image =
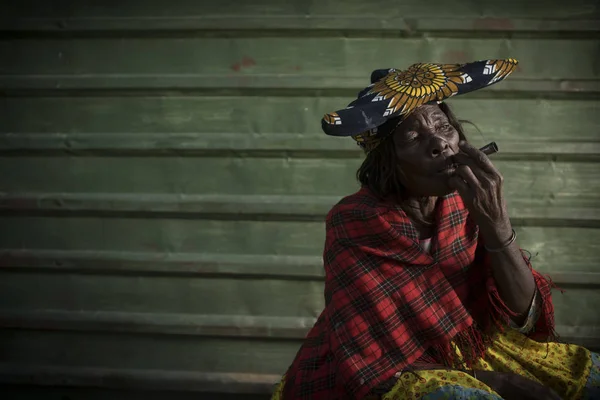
pixel 427 293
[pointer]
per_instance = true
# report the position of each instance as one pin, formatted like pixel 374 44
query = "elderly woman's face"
pixel 424 143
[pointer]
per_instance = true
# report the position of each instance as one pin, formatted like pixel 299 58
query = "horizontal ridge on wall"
pixel 153 323
pixel 267 84
pixel 238 266
pixel 269 145
pixel 234 326
pixel 137 379
pixel 242 207
pixel 280 25
pixel 296 267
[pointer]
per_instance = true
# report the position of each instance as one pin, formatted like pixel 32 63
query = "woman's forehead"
pixel 429 110
pixel 425 112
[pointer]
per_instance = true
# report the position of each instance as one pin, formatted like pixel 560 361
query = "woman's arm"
pixel 480 185
pixel 513 277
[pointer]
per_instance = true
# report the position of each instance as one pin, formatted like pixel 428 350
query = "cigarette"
pixel 489 148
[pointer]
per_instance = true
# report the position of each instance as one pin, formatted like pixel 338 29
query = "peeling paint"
pixel 246 62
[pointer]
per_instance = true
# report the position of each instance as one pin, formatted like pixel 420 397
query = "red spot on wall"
pixel 246 62
pixel 494 24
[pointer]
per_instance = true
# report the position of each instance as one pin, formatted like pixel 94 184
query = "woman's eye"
pixel 409 137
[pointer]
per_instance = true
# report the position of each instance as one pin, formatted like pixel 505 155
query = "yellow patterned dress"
pixel 573 372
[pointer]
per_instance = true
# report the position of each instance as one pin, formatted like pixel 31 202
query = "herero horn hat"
pixel 394 93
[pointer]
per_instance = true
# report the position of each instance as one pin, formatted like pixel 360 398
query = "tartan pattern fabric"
pixel 389 303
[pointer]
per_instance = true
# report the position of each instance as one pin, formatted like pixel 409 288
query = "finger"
pixel 457 183
pixel 481 174
pixel 478 156
pixel 487 179
pixel 464 172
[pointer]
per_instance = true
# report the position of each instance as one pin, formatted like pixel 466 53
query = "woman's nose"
pixel 438 145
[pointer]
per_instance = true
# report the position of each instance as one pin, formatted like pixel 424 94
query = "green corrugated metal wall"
pixel 164 179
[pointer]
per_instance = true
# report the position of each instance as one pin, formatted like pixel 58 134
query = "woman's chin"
pixel 429 186
pixel 437 188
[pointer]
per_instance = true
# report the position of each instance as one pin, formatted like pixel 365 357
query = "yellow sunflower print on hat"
pixel 418 85
pixel 424 83
pixel 396 93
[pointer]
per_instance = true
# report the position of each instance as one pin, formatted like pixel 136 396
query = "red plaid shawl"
pixel 389 304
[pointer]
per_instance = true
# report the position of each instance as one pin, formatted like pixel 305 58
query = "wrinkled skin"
pixel 424 143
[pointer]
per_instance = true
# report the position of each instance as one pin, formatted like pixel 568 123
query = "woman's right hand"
pixel 512 386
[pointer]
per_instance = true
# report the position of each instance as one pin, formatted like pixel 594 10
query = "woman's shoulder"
pixel 360 206
pixel 364 219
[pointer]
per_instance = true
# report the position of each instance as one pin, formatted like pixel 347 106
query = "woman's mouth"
pixel 449 169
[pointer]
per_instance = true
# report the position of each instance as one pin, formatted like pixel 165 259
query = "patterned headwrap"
pixel 394 94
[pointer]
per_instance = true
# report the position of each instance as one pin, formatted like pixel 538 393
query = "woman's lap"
pixel 439 384
pixel 565 368
pixel 571 371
